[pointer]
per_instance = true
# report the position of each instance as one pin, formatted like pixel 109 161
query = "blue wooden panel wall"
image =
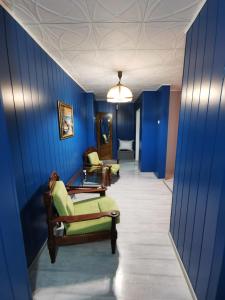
pixel 14 283
pixel 123 121
pixel 154 127
pixel 149 117
pixel 91 128
pixel 13 270
pixel 30 97
pixel 197 217
pixel 162 130
pixel 126 121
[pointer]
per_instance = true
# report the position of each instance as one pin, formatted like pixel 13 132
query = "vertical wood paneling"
pixel 191 110
pixel 195 142
pixel 162 130
pixel 207 139
pixel 154 109
pixel 176 201
pixel 197 218
pixel 36 84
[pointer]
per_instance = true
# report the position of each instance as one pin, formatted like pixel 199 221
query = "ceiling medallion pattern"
pixel 92 39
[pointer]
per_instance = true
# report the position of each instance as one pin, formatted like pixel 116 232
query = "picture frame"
pixel 66 120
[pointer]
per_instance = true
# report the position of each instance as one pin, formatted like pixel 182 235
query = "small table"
pixel 94 176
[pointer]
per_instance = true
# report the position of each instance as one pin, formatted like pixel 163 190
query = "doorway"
pixel 137 140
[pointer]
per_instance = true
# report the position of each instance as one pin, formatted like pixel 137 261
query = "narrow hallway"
pixel 145 266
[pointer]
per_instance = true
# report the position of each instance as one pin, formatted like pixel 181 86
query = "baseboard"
pixel 183 269
pixel 37 256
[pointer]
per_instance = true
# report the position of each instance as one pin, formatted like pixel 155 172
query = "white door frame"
pixel 137 139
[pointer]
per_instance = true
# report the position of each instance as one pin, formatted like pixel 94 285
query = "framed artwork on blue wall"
pixel 66 121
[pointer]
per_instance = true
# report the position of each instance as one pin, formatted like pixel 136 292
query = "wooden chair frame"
pixel 53 219
pixel 87 163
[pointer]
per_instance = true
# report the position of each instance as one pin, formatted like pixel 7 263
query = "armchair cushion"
pixel 62 201
pixel 99 204
pixel 93 158
pixel 115 168
pixel 86 207
pixel 89 226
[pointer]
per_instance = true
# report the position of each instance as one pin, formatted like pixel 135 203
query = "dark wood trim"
pixel 86 217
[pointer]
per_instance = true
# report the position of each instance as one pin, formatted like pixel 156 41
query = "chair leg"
pixel 110 178
pixel 113 235
pixel 113 242
pixel 52 249
pixel 118 174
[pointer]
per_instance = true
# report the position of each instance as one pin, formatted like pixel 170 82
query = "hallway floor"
pixel 145 266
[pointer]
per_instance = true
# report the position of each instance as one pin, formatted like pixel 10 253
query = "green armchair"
pixel 84 221
pixel 91 158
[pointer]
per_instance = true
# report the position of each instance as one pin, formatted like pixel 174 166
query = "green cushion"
pixel 115 168
pixel 70 206
pixel 90 226
pixel 93 158
pixel 60 198
pixel 95 205
pixel 86 207
pixel 106 204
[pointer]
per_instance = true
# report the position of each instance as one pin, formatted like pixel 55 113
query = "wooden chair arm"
pixel 80 189
pixel 93 165
pixel 71 219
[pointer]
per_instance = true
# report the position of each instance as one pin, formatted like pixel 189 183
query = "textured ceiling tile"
pixel 65 11
pixel 71 36
pixel 116 36
pixel 162 35
pixel 171 10
pixel 26 11
pixel 117 10
pixel 93 39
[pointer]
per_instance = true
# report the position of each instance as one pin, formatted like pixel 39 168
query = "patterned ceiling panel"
pixel 93 39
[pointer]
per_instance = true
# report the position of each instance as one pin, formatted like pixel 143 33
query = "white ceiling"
pixel 93 39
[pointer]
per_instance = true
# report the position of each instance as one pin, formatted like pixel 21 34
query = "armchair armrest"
pixel 93 165
pixel 71 219
pixel 80 189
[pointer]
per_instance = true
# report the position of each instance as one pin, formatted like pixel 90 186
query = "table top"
pixel 94 176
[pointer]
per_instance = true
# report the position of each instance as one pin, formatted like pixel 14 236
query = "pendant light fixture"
pixel 119 93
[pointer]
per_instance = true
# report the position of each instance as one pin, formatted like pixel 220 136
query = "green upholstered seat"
pixel 66 207
pixel 62 201
pixel 94 159
pixel 94 205
pixel 115 168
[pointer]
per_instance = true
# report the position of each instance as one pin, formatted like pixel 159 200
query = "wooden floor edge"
pixel 194 297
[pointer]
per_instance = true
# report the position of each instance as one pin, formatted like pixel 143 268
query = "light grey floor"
pixel 145 266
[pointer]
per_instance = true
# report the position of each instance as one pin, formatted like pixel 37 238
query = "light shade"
pixel 119 93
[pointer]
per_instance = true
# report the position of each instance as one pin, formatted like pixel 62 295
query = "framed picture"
pixel 66 122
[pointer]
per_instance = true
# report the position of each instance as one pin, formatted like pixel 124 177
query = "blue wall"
pixel 153 135
pixel 91 128
pixel 126 121
pixel 197 217
pixel 14 282
pixel 123 121
pixel 30 92
pixel 162 130
pixel 148 137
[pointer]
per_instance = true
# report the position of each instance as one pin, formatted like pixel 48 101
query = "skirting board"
pixel 183 269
